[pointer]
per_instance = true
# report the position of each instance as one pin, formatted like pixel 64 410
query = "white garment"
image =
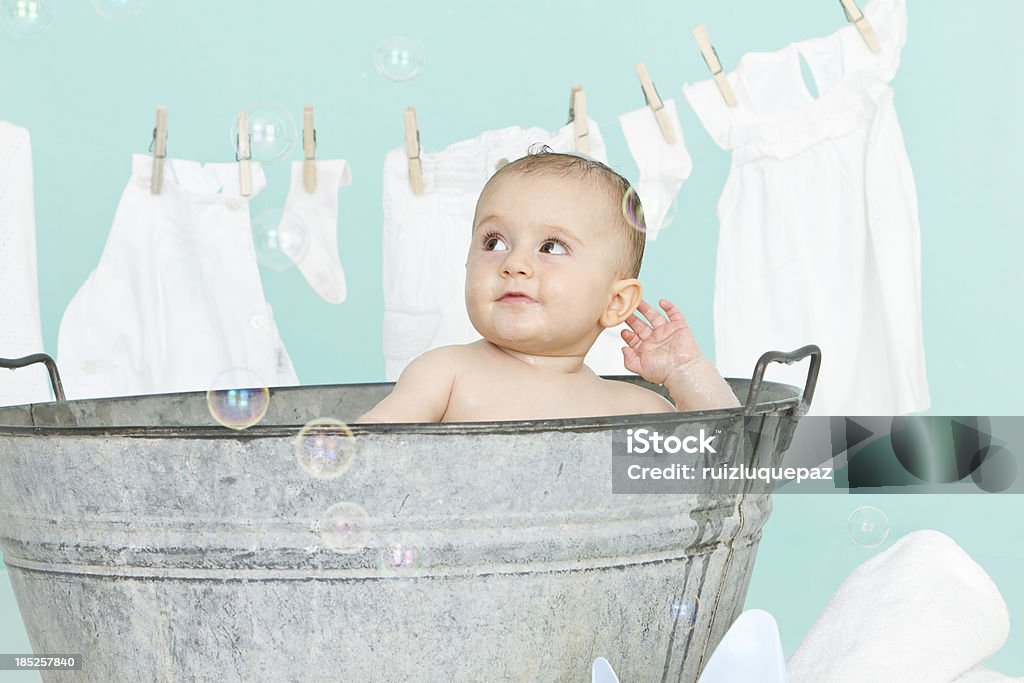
pixel 314 215
pixel 980 674
pixel 922 611
pixel 751 650
pixel 663 167
pixel 601 672
pixel 820 241
pixel 176 299
pixel 427 239
pixel 21 332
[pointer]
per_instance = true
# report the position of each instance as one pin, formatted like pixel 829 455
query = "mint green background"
pixel 87 88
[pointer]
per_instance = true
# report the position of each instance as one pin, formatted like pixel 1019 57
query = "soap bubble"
pixel 272 133
pixel 325 448
pixel 681 612
pixel 406 555
pixel 238 398
pixel 343 527
pixel 279 238
pixel 399 58
pixel 632 211
pixel 118 9
pixel 27 17
pixel 868 526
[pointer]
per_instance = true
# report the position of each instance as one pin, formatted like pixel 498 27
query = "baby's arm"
pixel 422 391
pixel 698 385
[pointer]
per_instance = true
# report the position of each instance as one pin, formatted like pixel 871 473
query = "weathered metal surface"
pixel 162 546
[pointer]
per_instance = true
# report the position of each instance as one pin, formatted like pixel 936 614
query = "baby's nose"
pixel 516 264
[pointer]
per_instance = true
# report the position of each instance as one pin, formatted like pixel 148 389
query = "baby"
pixel 556 249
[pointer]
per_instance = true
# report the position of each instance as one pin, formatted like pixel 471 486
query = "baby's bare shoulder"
pixel 444 355
pixel 637 399
pixel 423 390
pixel 454 360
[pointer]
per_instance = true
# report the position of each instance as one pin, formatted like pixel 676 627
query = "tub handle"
pixel 51 367
pixel 788 358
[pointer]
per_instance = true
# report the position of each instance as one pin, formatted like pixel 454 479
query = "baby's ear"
pixel 626 296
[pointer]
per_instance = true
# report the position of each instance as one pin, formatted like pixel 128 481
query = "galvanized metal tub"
pixel 159 545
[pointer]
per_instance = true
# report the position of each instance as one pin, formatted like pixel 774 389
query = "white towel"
pixel 980 674
pixel 922 611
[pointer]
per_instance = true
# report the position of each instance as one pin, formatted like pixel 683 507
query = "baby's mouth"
pixel 516 298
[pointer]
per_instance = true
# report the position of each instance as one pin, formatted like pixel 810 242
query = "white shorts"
pixel 176 299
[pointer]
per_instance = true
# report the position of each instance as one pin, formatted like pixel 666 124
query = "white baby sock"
pixel 663 167
pixel 315 214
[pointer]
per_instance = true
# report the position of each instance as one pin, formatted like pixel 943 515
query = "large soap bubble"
pixel 26 17
pixel 238 398
pixel 272 133
pixel 399 58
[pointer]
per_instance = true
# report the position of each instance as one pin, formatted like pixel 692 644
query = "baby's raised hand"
pixel 659 346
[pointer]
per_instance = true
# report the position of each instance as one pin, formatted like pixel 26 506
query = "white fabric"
pixel 176 299
pixel 750 651
pixel 980 674
pixel 316 215
pixel 820 241
pixel 427 237
pixel 21 332
pixel 663 167
pixel 601 672
pixel 922 611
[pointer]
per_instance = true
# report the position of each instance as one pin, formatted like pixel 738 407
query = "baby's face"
pixel 542 263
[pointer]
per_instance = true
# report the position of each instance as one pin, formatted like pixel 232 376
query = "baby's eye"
pixel 494 243
pixel 553 247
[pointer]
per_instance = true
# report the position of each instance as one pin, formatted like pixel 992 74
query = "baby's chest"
pixel 521 396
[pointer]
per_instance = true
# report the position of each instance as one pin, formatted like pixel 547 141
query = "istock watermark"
pixel 785 454
pixel 650 441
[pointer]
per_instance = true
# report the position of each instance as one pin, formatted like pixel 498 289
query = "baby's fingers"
pixel 642 329
pixel 674 314
pixel 631 338
pixel 651 313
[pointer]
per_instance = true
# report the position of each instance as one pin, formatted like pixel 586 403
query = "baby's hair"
pixel 630 216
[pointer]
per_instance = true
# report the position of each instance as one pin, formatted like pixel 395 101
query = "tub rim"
pixel 48 426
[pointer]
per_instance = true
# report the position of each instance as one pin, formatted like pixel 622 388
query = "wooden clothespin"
pixel 308 150
pixel 412 151
pixel 655 103
pixel 244 155
pixel 853 14
pixel 159 149
pixel 711 58
pixel 578 117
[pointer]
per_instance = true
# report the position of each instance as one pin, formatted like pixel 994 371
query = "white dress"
pixel 820 241
pixel 20 327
